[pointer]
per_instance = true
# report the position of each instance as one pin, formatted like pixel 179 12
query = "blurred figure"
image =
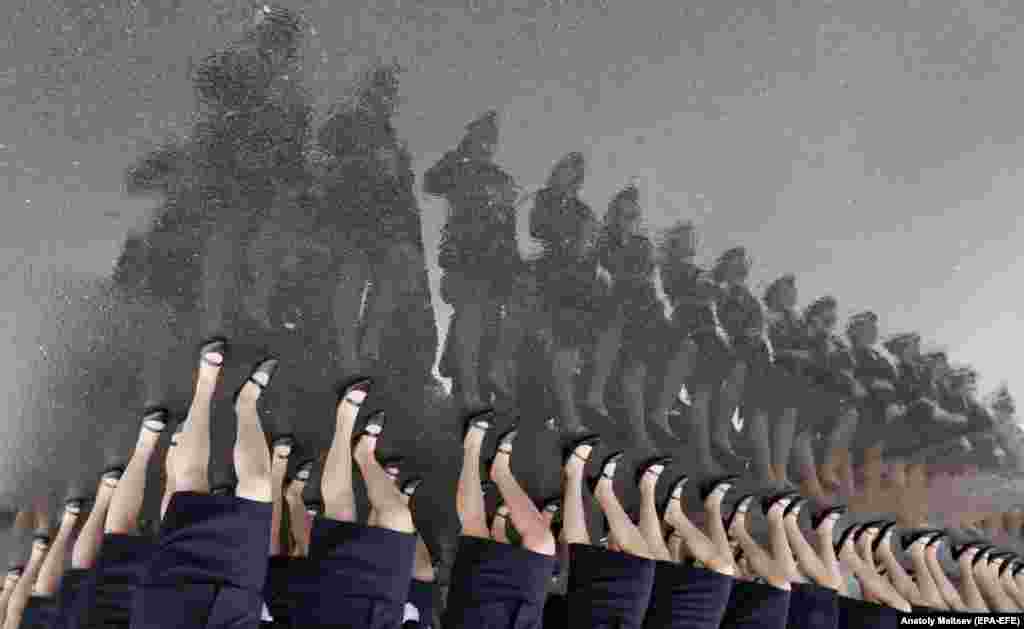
pixel 572 292
pixel 478 251
pixel 636 318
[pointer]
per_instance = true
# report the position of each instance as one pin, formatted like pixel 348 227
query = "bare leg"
pixel 392 512
pixel 52 569
pixel 499 525
pixel 605 350
pixel 90 537
pixel 169 467
pixel 650 523
pixel 125 506
pixel 278 470
pixel 297 517
pixel 678 369
pixel 192 454
pixel 251 456
pixel 574 518
pixel 783 432
pixel 336 485
pixel 627 535
pixel 563 365
pixel 535 532
pixel 23 590
pixel 423 566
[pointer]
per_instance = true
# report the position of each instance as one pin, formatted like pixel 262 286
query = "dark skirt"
pixel 75 598
pixel 356 577
pixel 780 389
pixel 756 605
pixel 497 586
pixel 281 572
pixel 812 607
pixel 856 614
pixel 644 334
pixel 119 571
pixel 209 566
pixel 608 589
pixel 40 613
pixel 687 598
pixel 421 596
pixel 820 410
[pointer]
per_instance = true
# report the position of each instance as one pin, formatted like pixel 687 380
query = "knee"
pixel 540 541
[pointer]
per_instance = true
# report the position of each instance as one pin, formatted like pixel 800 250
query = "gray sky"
pixel 870 146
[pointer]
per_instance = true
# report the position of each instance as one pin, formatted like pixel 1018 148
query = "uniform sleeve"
pixel 442 178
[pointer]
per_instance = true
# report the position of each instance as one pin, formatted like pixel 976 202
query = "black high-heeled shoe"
pixel 795 506
pixel 483 420
pixel 411 485
pixel 42 539
pixel 112 473
pixel 834 513
pixel 884 533
pixel 314 508
pixel 281 441
pixel 569 449
pixel 374 427
pixel 911 537
pixel 959 549
pixel 553 506
pixel 675 492
pixel 16 570
pixel 873 525
pixel 712 485
pixel 611 461
pixel 742 507
pixel 304 470
pixel 354 390
pixel 647 464
pixel 392 466
pixel 215 345
pixel 845 537
pixel 771 500
pixel 487 486
pixel 505 441
pixel 154 419
pixel 267 366
pixel 74 506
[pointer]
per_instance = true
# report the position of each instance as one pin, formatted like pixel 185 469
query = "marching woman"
pixel 43 608
pixel 986 573
pixel 946 588
pixel 830 410
pixel 876 410
pixel 356 575
pixel 22 590
pixel 495 584
pixel 124 552
pixel 685 597
pixel 743 384
pixel 765 604
pixel 606 588
pixel 572 294
pixel 209 566
pixel 478 251
pixel 10 582
pixel 901 580
pixel 636 318
pixel 692 294
pixel 787 376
